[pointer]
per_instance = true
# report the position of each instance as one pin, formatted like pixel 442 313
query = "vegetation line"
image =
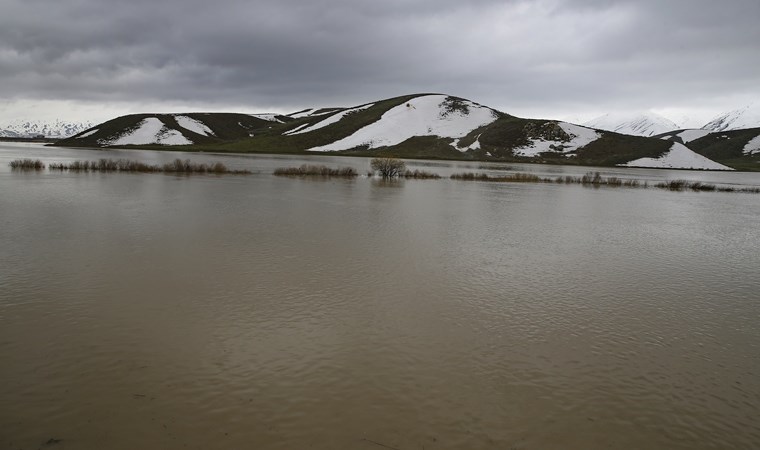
pixel 123 165
pixel 386 167
pixel 595 179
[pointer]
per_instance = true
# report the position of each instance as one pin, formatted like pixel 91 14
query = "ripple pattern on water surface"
pixel 270 313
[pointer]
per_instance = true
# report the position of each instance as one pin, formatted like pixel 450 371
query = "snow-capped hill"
pixel 57 129
pixel 642 124
pixel 426 115
pixel 738 119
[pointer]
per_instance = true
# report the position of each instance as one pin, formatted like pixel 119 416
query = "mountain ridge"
pixel 56 129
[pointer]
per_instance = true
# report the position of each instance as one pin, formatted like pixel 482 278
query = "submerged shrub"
pixel 388 167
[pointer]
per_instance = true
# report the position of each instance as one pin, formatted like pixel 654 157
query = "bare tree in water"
pixel 388 167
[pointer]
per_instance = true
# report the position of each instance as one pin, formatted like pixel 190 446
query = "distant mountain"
pixel 50 129
pixel 641 124
pixel 434 126
pixel 738 119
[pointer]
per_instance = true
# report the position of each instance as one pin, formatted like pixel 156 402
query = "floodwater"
pixel 213 312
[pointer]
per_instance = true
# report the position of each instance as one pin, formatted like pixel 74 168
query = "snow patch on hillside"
pixel 692 135
pixel 641 124
pixel 149 131
pixel 678 157
pixel 196 126
pixel 426 115
pixel 579 137
pixel 331 120
pixel 753 146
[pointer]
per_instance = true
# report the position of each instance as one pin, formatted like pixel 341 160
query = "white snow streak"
pixel 420 116
pixel 149 131
pixel 196 126
pixel 301 114
pixel 299 127
pixel 753 146
pixel 678 157
pixel 268 116
pixel 89 133
pixel 331 120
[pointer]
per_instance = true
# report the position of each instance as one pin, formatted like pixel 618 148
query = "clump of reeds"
pixel 512 178
pixel 420 174
pixel 186 166
pixel 313 170
pixel 27 164
pixel 682 185
pixel 596 179
pixel 470 176
pixel 124 165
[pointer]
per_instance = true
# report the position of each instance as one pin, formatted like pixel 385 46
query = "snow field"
pixel 678 157
pixel 149 131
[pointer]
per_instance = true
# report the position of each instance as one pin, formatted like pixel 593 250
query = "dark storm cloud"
pixel 509 54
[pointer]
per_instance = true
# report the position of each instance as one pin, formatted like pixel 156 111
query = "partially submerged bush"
pixel 681 185
pixel 313 170
pixel 388 167
pixel 27 164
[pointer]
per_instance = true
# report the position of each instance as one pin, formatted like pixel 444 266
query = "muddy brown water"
pixel 155 311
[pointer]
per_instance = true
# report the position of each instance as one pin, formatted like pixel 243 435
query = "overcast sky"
pixel 568 59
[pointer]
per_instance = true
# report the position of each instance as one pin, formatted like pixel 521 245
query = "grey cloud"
pixel 544 54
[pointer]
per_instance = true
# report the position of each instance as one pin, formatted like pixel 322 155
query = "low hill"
pixel 172 129
pixel 413 126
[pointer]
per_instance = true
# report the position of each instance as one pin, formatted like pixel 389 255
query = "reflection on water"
pixel 153 311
